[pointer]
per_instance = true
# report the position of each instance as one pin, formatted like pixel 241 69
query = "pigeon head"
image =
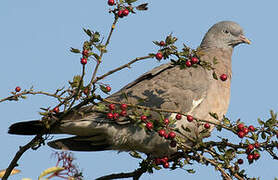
pixel 225 35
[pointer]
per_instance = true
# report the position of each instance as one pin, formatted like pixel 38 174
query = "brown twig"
pixel 19 153
pixel 16 96
pixel 121 67
pixel 136 174
pixel 102 52
pixel 79 86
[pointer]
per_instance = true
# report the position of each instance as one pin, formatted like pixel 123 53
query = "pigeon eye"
pixel 226 32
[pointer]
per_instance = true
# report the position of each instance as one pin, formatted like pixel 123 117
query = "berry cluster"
pixel 114 113
pixel 122 11
pixel 162 161
pixel 242 131
pixel 190 62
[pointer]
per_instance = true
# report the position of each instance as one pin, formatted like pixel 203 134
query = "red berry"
pixel 109 116
pixel 240 161
pixel 166 136
pixel 112 107
pixel 189 118
pixel 165 159
pixel 166 121
pixel 188 63
pixel 250 147
pixel 194 60
pixel 85 52
pixel 111 2
pixel 17 89
pixel 83 61
pixel 245 130
pixel 56 110
pixel 223 77
pixel 125 12
pixel 158 56
pixel 250 157
pixel 157 161
pixel 251 128
pixel 172 135
pixel 149 125
pixel 162 132
pixel 173 143
pixel 257 145
pixel 241 134
pixel 120 13
pixel 207 125
pixel 240 126
pixel 277 134
pixel 162 43
pixel 123 106
pixel 178 116
pixel 123 113
pixel 166 165
pixel 256 156
pixel 116 116
pixel 108 88
pixel 143 118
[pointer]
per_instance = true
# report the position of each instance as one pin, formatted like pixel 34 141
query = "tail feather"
pixel 81 143
pixel 27 128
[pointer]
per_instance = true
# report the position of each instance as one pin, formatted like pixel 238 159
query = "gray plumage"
pixel 192 91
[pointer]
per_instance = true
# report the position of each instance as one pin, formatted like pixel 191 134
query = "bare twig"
pixel 102 52
pixel 136 174
pixel 121 67
pixel 16 96
pixel 18 155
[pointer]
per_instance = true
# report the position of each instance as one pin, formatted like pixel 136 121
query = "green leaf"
pixel 214 75
pixel 214 115
pixel 135 154
pixel 215 61
pixel 226 121
pixel 142 7
pixel 88 32
pixel 263 135
pixel 95 37
pixel 74 50
pixel 130 1
pixel 23 97
pixel 101 107
pixel 260 121
pixel 191 171
pixel 103 89
pixel 219 127
pixel 76 81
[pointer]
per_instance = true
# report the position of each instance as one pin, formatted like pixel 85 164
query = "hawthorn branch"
pixel 102 52
pixel 79 86
pixel 121 67
pixel 18 95
pixel 136 174
pixel 18 155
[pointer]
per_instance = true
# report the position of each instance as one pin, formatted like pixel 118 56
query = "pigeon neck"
pixel 223 57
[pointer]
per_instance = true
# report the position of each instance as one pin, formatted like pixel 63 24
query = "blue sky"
pixel 35 37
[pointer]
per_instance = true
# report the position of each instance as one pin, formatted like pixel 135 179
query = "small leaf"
pixel 103 89
pixel 23 97
pixel 142 7
pixel 215 61
pixel 263 135
pixel 74 50
pixel 101 107
pixel 88 32
pixel 50 170
pixel 135 154
pixel 226 121
pixel 214 75
pixel 191 171
pixel 214 115
pixel 219 127
pixel 130 1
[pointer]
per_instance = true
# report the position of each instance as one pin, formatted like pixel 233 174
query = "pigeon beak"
pixel 244 39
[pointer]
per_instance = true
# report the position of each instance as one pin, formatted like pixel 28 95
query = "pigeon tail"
pixel 27 128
